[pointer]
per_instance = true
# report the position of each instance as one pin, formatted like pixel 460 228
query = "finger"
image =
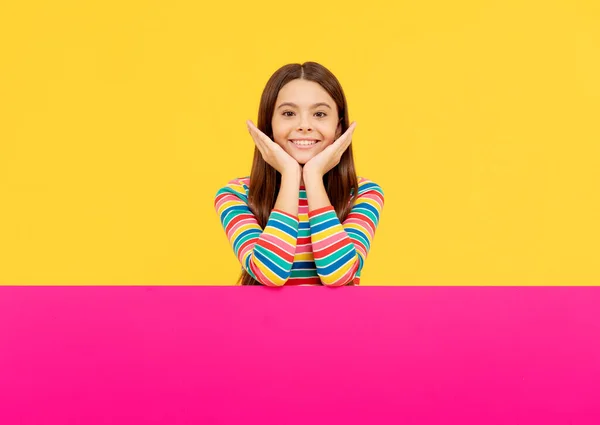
pixel 257 140
pixel 351 132
pixel 249 126
pixel 262 137
pixel 351 129
pixel 348 132
pixel 255 133
pixel 344 141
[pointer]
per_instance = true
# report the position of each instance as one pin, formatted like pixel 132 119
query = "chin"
pixel 302 160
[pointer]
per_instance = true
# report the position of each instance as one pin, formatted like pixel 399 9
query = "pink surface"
pixel 366 355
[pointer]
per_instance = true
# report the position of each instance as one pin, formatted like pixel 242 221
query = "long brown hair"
pixel 265 181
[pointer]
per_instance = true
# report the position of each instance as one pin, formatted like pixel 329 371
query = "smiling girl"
pixel 302 217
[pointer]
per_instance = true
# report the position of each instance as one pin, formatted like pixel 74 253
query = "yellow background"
pixel 120 120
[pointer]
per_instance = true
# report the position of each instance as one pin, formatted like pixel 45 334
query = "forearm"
pixel 316 195
pixel 287 199
pixel 267 253
pixel 334 252
pixel 271 258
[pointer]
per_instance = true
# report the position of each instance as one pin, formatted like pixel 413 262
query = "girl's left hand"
pixel 329 157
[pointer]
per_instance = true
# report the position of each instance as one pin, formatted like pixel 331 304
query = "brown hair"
pixel 265 180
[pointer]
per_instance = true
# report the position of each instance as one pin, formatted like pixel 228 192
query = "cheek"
pixel 279 133
pixel 328 134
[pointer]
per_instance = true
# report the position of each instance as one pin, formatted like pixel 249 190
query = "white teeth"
pixel 304 142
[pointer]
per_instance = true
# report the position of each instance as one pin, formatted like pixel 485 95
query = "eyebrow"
pixel 295 106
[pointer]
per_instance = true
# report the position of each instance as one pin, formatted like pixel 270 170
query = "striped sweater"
pixel 314 248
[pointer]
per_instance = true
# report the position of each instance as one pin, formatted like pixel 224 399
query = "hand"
pixel 272 153
pixel 329 157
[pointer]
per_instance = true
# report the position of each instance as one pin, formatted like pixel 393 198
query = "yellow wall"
pixel 119 121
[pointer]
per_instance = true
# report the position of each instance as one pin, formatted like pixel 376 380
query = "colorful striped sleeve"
pixel 340 250
pixel 267 255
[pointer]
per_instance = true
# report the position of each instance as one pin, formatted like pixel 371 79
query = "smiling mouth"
pixel 304 144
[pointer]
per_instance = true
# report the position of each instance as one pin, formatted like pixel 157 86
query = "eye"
pixel 287 112
pixel 322 116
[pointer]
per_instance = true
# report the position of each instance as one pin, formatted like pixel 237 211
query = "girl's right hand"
pixel 272 153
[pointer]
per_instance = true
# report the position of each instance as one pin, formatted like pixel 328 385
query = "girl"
pixel 302 217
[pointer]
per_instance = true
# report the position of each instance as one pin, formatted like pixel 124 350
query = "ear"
pixel 338 131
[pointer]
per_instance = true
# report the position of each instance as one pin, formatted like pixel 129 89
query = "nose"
pixel 304 124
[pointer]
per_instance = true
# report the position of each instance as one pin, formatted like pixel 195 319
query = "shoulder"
pixel 238 187
pixel 366 186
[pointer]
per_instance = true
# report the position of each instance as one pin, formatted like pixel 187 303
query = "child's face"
pixel 304 120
